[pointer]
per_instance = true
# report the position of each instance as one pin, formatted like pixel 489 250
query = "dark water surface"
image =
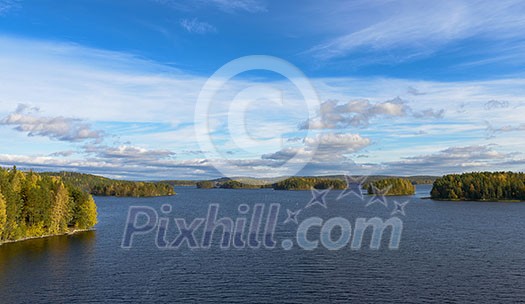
pixel 449 252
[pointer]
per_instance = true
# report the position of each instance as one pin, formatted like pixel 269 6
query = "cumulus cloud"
pixel 27 119
pixel 197 27
pixel 358 113
pixel 326 147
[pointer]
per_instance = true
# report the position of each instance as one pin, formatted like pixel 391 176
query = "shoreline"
pixel 72 232
pixel 479 200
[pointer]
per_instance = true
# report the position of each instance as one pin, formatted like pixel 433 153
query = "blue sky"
pixel 110 87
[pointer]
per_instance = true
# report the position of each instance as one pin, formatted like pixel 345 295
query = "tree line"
pixel 480 186
pixel 101 186
pixel 33 205
pixel 292 183
pixel 302 183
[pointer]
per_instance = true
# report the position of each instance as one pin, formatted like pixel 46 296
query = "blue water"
pixel 449 252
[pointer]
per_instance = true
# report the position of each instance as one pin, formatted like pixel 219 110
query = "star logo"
pixel 292 216
pixel 318 198
pixel 399 208
pixel 379 195
pixel 353 186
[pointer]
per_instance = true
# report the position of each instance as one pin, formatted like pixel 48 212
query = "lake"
pixel 449 252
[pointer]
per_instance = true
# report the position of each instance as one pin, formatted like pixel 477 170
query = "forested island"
pixel 102 186
pixel 337 182
pixel 292 183
pixel 232 184
pixel 307 183
pixel 35 205
pixel 480 186
pixel 395 186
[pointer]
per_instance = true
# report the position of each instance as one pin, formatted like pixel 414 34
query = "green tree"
pixel 59 210
pixel 3 215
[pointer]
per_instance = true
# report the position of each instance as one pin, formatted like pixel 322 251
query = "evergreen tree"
pixel 34 205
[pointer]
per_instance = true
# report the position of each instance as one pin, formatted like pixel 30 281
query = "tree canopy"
pixel 101 186
pixel 395 186
pixel 307 183
pixel 33 205
pixel 480 186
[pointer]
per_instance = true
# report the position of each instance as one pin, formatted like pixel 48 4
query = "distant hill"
pixel 102 186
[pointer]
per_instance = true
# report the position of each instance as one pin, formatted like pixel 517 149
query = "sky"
pixel 401 87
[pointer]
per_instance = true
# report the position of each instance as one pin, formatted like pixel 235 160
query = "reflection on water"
pixel 54 252
pixel 55 246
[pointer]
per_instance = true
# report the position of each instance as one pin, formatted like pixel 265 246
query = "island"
pixel 392 186
pixel 480 186
pixel 307 183
pixel 34 205
pixel 335 182
pixel 102 186
pixel 292 183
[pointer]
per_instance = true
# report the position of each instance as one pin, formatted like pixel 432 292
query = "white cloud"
pixel 228 6
pixel 419 27
pixel 8 5
pixel 127 153
pixel 197 27
pixel 453 160
pixel 358 113
pixel 147 109
pixel 252 6
pixel 325 147
pixel 28 120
